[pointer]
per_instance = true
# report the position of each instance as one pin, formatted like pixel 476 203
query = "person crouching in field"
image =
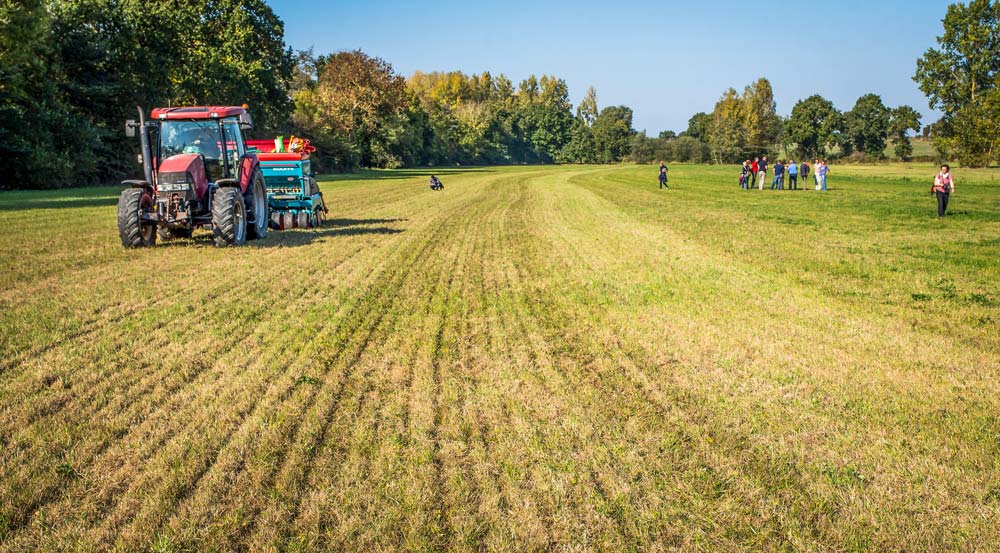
pixel 663 176
pixel 944 185
pixel 436 183
pixel 793 175
pixel 745 175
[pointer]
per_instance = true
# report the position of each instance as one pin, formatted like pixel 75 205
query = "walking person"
pixel 793 175
pixel 779 176
pixel 763 173
pixel 944 185
pixel 663 176
pixel 823 171
pixel 754 168
pixel 805 174
pixel 745 175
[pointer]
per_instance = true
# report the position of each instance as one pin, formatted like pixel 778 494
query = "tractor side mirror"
pixel 245 121
pixel 130 127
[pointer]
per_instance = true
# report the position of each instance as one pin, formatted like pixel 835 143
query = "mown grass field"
pixel 537 358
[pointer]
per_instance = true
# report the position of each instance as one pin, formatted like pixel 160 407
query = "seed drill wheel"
pixel 287 220
pixel 303 219
pixel 276 220
pixel 318 216
pixel 132 204
pixel 256 202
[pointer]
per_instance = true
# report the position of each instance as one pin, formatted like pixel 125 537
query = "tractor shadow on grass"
pixel 297 237
pixel 331 229
pixel 337 223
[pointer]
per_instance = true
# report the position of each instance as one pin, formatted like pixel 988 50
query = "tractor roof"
pixel 197 112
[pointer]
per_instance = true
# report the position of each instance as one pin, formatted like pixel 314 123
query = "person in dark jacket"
pixel 779 176
pixel 436 183
pixel 663 176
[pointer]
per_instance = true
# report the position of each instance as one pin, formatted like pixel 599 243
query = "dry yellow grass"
pixel 541 358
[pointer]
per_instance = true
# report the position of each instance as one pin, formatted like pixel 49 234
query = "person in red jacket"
pixel 754 168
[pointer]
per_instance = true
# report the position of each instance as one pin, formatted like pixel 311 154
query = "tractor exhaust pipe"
pixel 147 152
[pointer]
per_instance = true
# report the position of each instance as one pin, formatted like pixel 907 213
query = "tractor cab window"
pixel 235 148
pixel 194 137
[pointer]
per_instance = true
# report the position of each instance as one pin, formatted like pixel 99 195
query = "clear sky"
pixel 666 60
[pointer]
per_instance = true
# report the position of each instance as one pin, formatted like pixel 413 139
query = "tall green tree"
pixel 352 107
pixel 581 147
pixel 867 125
pixel 962 78
pixel 587 110
pixel 761 122
pixel 727 135
pixel 902 120
pixel 813 126
pixel 613 133
pixel 698 126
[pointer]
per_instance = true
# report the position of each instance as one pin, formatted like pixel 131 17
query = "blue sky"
pixel 666 60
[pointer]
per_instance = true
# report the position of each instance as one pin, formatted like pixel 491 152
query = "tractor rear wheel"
pixel 133 231
pixel 171 233
pixel 229 218
pixel 256 201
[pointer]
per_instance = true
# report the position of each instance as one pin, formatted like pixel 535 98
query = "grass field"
pixel 537 358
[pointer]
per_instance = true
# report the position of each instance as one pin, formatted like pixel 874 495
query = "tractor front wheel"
pixel 133 231
pixel 256 201
pixel 229 218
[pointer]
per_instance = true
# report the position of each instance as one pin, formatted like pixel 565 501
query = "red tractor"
pixel 199 173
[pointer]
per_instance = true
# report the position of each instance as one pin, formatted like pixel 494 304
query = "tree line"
pixel 746 125
pixel 360 113
pixel 961 78
pixel 71 71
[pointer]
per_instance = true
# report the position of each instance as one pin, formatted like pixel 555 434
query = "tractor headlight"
pixel 174 187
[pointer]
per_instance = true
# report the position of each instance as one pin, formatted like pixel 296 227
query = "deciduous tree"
pixel 813 125
pixel 962 78
pixel 867 125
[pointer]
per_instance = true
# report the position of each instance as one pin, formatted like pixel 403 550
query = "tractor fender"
pixel 139 184
pixel 249 167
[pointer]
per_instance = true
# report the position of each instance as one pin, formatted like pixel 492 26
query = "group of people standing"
pixel 754 173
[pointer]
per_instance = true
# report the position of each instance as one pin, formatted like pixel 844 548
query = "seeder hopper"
pixel 293 195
